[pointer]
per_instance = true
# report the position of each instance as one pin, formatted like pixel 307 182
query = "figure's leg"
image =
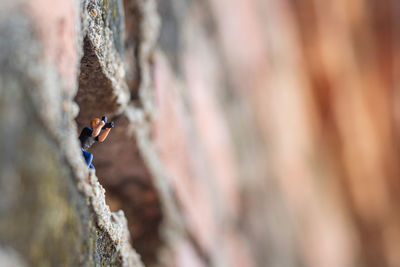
pixel 88 157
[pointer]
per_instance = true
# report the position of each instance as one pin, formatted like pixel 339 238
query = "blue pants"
pixel 88 158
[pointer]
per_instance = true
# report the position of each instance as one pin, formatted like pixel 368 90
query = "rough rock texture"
pixel 53 210
pixel 103 89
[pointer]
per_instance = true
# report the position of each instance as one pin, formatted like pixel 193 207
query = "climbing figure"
pixel 97 133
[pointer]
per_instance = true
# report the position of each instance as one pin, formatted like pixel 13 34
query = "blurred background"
pixel 248 132
pixel 308 93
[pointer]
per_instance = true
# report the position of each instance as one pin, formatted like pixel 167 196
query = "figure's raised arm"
pixel 104 135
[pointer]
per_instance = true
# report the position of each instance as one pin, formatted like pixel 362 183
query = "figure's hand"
pixel 109 125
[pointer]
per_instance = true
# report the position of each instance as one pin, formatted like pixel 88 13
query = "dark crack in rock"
pixel 102 86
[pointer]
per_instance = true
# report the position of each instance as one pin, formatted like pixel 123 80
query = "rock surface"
pixel 52 210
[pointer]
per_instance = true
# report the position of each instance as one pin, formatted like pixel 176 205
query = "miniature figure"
pixel 98 133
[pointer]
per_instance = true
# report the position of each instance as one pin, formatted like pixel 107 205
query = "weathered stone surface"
pixel 142 28
pixel 103 89
pixel 52 209
pixel 129 185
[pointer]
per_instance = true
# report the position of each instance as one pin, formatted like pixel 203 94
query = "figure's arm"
pixel 104 135
pixel 97 129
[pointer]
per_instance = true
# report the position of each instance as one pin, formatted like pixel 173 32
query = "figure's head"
pixel 95 122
